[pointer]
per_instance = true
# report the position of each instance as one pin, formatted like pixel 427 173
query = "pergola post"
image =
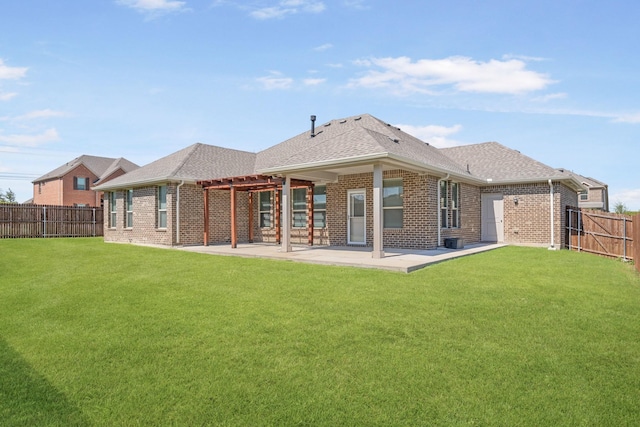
pixel 206 217
pixel 378 212
pixel 286 215
pixel 234 228
pixel 251 216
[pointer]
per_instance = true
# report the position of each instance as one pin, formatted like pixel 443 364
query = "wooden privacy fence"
pixel 636 238
pixel 601 233
pixel 23 221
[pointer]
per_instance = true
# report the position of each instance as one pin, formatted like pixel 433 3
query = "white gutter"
pixel 178 211
pixel 440 211
pixel 551 211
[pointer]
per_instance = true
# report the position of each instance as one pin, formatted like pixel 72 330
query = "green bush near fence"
pixel 104 334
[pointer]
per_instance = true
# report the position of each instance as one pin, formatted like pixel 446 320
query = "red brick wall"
pixel 60 191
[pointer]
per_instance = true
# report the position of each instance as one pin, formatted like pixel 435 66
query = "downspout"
pixel 178 212
pixel 551 211
pixel 439 211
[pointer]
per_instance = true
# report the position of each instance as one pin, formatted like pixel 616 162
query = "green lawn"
pixel 118 335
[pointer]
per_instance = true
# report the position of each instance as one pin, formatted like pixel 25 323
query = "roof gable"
pixel 353 137
pixel 97 166
pixel 193 163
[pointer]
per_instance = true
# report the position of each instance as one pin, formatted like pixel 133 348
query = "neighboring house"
pixel 351 182
pixel 596 194
pixel 72 183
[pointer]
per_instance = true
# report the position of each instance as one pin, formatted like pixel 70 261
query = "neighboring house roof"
pixel 99 166
pixel 590 182
pixel 196 162
pixel 502 165
pixel 118 164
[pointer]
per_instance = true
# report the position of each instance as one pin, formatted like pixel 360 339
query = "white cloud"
pixel 275 81
pixel 629 196
pixel 628 118
pixel 11 73
pixel 433 134
pixel 288 7
pixel 154 6
pixel 356 4
pixel 524 57
pixel 550 97
pixel 39 114
pixel 313 82
pixel 7 96
pixel 49 135
pixel 404 76
pixel 323 47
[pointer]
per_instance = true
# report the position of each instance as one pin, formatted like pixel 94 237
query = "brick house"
pixel 72 183
pixel 596 193
pixel 351 182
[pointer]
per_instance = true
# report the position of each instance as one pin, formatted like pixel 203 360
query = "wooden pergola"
pixel 255 184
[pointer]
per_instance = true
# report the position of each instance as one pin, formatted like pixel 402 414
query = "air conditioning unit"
pixel 454 243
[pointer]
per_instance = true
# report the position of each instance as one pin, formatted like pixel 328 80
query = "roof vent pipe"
pixel 313 126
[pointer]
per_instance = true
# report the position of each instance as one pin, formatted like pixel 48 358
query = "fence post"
pixel 579 229
pixel 624 238
pixel 93 215
pixel 44 221
pixel 570 230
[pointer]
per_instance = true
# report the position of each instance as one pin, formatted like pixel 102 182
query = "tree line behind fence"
pixel 25 221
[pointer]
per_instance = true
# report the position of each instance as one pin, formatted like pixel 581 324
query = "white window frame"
pixel 162 212
pixel 444 204
pixel 319 214
pixel 388 189
pixel 455 205
pixel 265 216
pixel 128 203
pixel 113 211
pixel 299 217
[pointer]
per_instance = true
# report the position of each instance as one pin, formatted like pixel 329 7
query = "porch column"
pixel 206 217
pixel 286 215
pixel 234 228
pixel 378 213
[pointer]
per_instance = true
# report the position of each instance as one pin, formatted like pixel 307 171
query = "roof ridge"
pixel 194 147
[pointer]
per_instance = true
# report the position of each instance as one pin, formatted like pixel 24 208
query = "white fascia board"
pixel 143 183
pixel 365 159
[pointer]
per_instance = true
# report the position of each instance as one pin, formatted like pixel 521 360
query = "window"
pixel 129 208
pixel 392 202
pixel 455 205
pixel 80 183
pixel 319 206
pixel 162 206
pixel 584 195
pixel 112 209
pixel 444 205
pixel 299 207
pixel 265 208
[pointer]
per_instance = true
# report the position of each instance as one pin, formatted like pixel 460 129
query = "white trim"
pixel 364 224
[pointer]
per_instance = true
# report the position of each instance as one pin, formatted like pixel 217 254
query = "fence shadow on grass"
pixel 28 399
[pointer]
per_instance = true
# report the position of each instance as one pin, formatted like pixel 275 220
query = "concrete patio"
pixel 395 259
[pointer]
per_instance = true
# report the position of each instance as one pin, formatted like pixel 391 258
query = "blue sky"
pixel 557 80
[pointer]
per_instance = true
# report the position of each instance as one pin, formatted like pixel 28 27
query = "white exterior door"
pixel 356 221
pixel 492 218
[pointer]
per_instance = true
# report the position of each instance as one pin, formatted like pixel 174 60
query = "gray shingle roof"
pixel 491 160
pixel 193 163
pixel 99 166
pixel 350 138
pixel 591 182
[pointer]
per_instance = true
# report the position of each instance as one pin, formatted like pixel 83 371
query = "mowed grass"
pixel 118 335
